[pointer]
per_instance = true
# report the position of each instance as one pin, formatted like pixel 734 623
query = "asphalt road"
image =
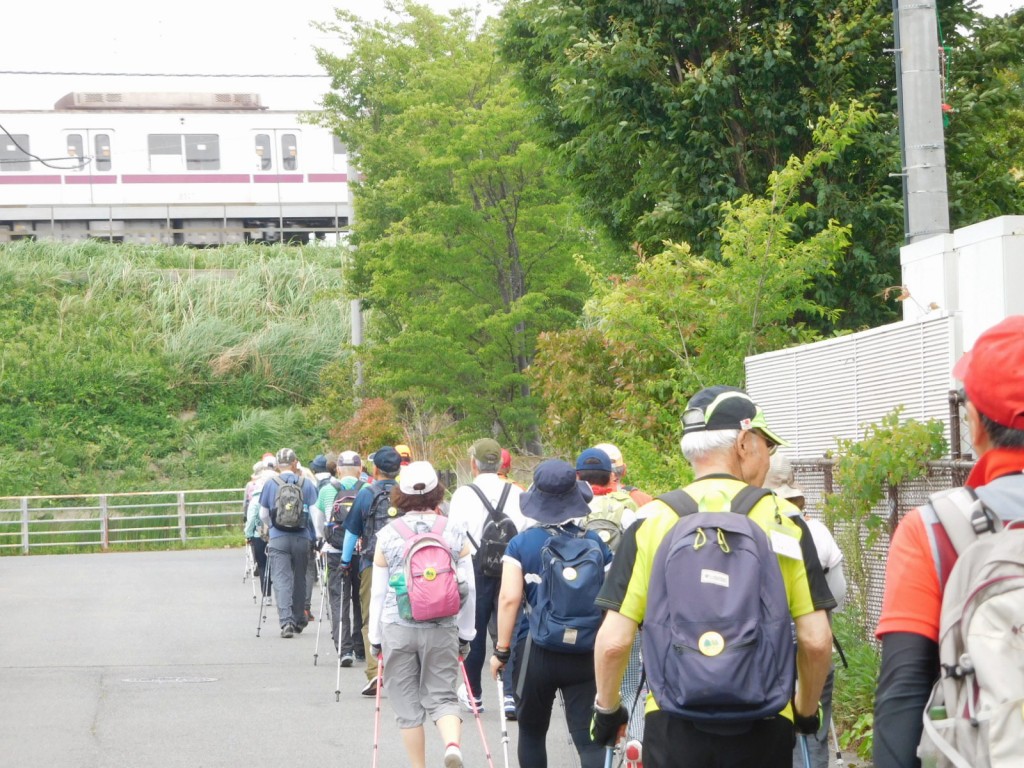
pixel 151 659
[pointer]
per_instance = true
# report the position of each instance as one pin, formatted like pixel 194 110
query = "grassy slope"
pixel 135 368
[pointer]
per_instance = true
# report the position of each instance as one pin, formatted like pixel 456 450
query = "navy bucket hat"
pixel 556 496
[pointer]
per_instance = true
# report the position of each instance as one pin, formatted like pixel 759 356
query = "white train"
pixel 182 168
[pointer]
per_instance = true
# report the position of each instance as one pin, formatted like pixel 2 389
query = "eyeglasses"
pixel 772 445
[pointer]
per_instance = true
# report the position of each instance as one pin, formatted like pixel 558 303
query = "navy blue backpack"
pixel 719 644
pixel 565 617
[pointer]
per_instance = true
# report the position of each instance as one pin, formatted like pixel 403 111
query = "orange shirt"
pixel 913 598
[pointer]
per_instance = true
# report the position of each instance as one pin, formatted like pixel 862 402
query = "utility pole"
pixel 357 340
pixel 919 96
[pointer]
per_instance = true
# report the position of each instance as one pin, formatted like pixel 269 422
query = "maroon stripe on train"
pixel 329 177
pixel 20 179
pixel 277 178
pixel 186 178
pixel 112 179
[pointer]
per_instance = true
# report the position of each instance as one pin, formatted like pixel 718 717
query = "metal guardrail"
pixel 100 522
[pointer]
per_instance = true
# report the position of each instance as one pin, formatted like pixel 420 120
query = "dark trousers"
pixel 541 674
pixel 487 588
pixel 671 742
pixel 357 612
pixel 259 554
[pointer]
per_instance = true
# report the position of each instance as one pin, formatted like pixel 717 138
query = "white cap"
pixel 417 478
pixel 613 453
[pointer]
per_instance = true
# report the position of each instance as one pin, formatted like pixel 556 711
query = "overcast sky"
pixel 186 37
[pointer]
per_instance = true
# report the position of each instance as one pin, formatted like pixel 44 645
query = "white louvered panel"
pixel 817 393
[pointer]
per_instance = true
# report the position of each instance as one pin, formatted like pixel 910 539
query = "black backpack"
pixel 497 533
pixel 377 515
pixel 334 531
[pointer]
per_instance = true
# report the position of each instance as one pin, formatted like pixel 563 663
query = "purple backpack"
pixel 431 582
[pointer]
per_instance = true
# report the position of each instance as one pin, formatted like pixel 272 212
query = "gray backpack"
pixel 975 717
pixel 288 513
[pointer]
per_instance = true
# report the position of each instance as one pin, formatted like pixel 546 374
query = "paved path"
pixel 151 659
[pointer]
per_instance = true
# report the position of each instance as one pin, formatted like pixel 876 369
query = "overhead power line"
pixel 151 74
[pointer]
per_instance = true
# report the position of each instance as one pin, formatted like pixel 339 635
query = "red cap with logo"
pixel 993 373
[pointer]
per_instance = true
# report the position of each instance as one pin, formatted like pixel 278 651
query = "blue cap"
pixel 594 458
pixel 386 459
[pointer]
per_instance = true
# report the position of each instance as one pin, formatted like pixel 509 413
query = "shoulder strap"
pixel 336 484
pixel 682 503
pixel 963 516
pixel 440 523
pixel 492 511
pixel 278 480
pixel 403 529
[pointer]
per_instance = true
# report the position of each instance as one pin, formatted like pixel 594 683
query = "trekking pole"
pixel 376 714
pixel 501 718
pixel 804 751
pixel 250 569
pixel 835 741
pixel 263 597
pixel 337 682
pixel 476 712
pixel 320 620
pixel 609 756
pixel 568 733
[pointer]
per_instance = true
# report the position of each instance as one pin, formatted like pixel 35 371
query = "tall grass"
pixel 142 367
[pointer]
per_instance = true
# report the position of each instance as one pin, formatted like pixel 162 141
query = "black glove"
pixel 345 568
pixel 463 648
pixel 604 728
pixel 807 725
pixel 376 651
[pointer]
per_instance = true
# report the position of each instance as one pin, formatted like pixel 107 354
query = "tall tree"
pixel 665 109
pixel 464 229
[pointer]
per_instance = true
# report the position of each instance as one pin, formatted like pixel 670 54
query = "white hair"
pixel 699 445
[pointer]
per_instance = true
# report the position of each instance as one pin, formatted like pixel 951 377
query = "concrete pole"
pixel 357 339
pixel 919 93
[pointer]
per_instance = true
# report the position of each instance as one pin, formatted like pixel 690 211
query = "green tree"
pixel 464 229
pixel 684 321
pixel 664 110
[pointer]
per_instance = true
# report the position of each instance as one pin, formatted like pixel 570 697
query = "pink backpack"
pixel 429 568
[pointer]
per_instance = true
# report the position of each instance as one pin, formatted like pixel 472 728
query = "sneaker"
pixel 347 659
pixel 510 708
pixel 453 756
pixel 288 630
pixel 633 754
pixel 370 689
pixel 361 658
pixel 467 702
pixel 268 600
pixel 299 627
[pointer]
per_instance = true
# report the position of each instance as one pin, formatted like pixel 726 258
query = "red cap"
pixel 993 373
pixel 506 460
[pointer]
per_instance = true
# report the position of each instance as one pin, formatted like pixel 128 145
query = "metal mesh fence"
pixel 815 478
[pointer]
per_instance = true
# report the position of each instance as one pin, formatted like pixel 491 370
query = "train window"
pixel 289 152
pixel 164 151
pixel 340 155
pixel 75 145
pixel 14 152
pixel 264 152
pixel 202 151
pixel 102 152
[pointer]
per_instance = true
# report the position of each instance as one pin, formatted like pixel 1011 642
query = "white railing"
pixel 106 521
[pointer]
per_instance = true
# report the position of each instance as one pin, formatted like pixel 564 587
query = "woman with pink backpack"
pixel 422 612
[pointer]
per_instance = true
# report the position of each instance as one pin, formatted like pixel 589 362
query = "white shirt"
pixel 831 558
pixel 469 512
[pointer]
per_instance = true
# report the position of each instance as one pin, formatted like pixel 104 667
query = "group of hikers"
pixel 691 629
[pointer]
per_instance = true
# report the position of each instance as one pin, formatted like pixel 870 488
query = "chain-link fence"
pixel 816 479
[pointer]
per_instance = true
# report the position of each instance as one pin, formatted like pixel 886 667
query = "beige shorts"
pixel 421 672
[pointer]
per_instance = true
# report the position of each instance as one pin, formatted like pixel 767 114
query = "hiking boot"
pixel 467 701
pixel 453 756
pixel 370 689
pixel 633 754
pixel 288 630
pixel 510 708
pixel 348 659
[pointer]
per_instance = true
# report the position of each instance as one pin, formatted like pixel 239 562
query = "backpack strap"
pixel 336 484
pixel 955 519
pixel 743 503
pixel 492 511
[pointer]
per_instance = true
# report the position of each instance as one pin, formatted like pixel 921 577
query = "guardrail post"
pixel 181 516
pixel 104 523
pixel 24 525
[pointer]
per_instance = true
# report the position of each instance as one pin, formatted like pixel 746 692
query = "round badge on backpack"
pixel 569 574
pixel 429 574
pixel 711 644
